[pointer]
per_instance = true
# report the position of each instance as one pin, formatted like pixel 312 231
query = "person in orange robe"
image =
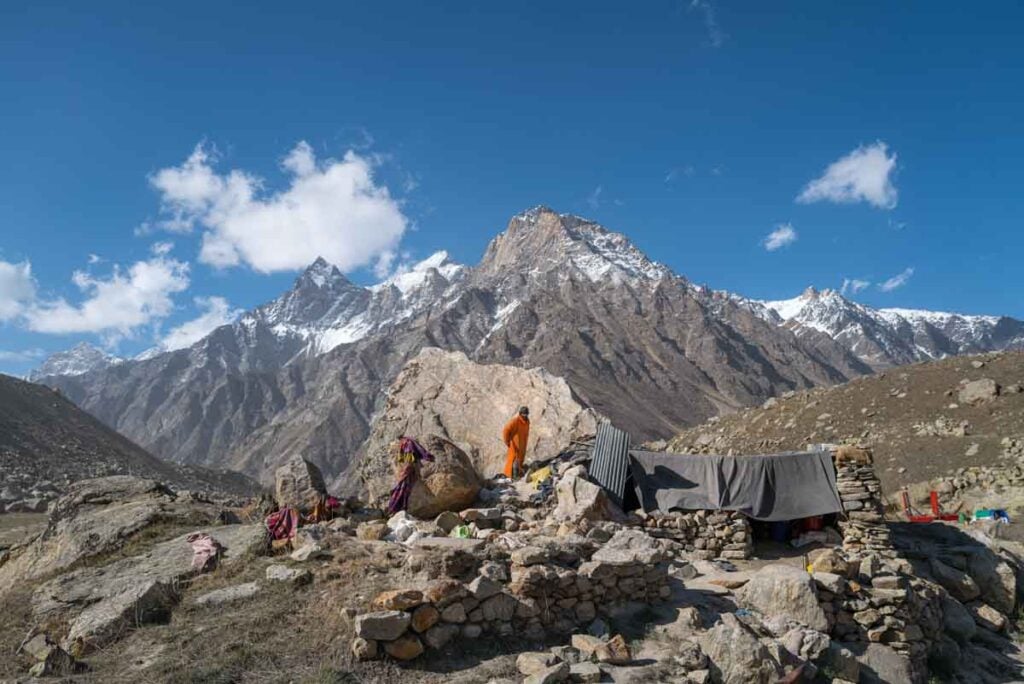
pixel 515 435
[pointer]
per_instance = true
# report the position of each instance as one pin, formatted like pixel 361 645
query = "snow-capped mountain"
pixel 307 372
pixel 82 358
pixel 888 337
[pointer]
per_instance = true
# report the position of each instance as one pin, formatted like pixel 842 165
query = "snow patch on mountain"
pixel 80 359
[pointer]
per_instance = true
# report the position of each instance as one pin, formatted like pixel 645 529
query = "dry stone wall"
pixel 706 535
pixel 537 591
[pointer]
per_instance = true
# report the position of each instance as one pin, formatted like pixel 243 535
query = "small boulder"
pixel 385 625
pixel 615 651
pixel 439 635
pixel 228 594
pixel 532 662
pixel 586 644
pixel 405 647
pixel 987 617
pixel 736 654
pixel 398 599
pixel 550 675
pixel 959 584
pixel 364 649
pixel 957 621
pixel 781 590
pixel 483 588
pixel 373 530
pixel 298 483
pixel 425 617
pixel 978 391
pixel 282 573
pixel 584 672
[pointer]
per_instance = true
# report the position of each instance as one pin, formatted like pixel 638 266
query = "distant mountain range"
pixel 307 372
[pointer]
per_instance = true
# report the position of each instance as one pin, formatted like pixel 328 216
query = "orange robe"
pixel 515 435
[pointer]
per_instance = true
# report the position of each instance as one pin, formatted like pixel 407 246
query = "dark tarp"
pixel 776 487
pixel 609 461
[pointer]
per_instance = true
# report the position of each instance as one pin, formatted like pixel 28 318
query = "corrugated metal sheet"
pixel 609 462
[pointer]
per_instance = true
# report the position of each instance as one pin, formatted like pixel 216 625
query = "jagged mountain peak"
pixel 80 359
pixel 322 274
pixel 540 241
pixel 409 279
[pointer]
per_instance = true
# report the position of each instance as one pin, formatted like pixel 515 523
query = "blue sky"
pixel 693 127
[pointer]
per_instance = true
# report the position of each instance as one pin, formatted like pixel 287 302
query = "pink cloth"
pixel 283 524
pixel 205 551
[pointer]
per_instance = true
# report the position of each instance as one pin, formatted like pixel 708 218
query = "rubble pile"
pixel 864 530
pixel 705 535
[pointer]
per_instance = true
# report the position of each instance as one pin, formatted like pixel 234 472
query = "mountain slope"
pixel 889 337
pixel 44 438
pixel 307 372
pixel 912 417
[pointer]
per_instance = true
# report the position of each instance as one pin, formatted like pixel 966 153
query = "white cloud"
pixel 217 312
pixel 95 259
pixel 116 305
pixel 854 285
pixel 864 175
pixel 898 280
pixel 21 356
pixel 17 288
pixel 783 235
pixel 594 198
pixel 161 248
pixel 715 35
pixel 332 209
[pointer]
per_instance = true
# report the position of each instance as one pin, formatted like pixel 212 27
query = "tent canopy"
pixel 771 487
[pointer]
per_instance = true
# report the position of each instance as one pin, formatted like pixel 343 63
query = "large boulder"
pixel 298 483
pixel 736 655
pixel 784 591
pixel 98 516
pixel 449 483
pixel 468 403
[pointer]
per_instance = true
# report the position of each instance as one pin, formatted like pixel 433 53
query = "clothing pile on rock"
pixel 206 551
pixel 410 452
pixel 283 524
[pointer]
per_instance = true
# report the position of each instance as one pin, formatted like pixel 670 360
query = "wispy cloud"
pixel 216 312
pixel 678 172
pixel 897 281
pixel 854 285
pixel 863 175
pixel 707 10
pixel 594 198
pixel 17 289
pixel 21 356
pixel 331 208
pixel 784 234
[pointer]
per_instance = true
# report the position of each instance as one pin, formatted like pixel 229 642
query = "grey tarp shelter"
pixel 771 487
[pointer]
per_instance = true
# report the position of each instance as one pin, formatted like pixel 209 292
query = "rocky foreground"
pixel 522 583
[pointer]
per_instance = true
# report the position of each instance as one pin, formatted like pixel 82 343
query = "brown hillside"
pixel 910 416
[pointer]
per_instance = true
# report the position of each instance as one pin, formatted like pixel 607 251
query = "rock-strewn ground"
pixel 922 421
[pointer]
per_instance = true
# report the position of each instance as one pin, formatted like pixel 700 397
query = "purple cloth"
pixel 399 499
pixel 408 445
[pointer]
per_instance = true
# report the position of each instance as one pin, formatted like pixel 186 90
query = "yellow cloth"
pixel 538 476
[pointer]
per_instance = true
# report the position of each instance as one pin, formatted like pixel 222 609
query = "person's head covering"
pixel 524 411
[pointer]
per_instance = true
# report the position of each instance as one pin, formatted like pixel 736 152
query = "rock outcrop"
pixel 98 516
pixel 100 603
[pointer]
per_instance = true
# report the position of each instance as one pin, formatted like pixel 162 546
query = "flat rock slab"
pixel 448 543
pixel 228 594
pixel 103 602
